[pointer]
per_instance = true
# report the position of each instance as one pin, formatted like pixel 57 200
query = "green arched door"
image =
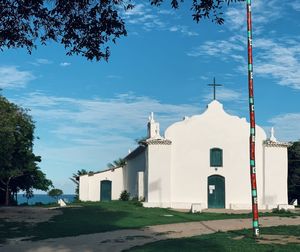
pixel 216 191
pixel 105 190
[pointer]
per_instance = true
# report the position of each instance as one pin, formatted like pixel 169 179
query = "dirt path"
pixel 125 239
pixel 28 214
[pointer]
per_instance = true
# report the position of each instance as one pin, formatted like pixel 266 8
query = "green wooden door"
pixel 216 191
pixel 105 189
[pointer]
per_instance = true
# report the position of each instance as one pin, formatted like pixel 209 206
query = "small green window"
pixel 216 157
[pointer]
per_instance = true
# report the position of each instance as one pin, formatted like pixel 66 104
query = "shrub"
pixel 137 203
pixel 124 196
pixel 280 211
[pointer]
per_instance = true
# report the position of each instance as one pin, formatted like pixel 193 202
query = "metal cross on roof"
pixel 215 85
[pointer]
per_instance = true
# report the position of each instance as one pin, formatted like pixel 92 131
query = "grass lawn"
pixel 101 217
pixel 234 241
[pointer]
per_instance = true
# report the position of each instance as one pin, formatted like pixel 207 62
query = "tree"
pixel 294 172
pixel 18 164
pixel 75 179
pixel 83 27
pixel 55 193
pixel 120 162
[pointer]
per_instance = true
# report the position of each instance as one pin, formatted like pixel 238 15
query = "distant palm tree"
pixel 117 163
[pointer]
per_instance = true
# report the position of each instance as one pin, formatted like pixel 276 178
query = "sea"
pixel 44 198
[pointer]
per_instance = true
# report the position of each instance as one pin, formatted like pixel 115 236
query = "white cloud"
pixel 295 5
pixel 263 12
pixel 279 59
pixel 167 12
pixel 276 58
pixel 227 49
pixel 149 19
pixel 12 77
pixel 65 64
pixel 287 126
pixel 41 61
pixel 125 113
pixel 44 61
pixel 183 29
pixel 138 10
pixel 225 94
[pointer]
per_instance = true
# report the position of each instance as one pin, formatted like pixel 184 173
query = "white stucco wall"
pixel 158 175
pixel 134 165
pixel 84 188
pixel 89 185
pixel 192 140
pixel 275 176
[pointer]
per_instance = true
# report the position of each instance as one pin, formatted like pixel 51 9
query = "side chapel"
pixel 200 162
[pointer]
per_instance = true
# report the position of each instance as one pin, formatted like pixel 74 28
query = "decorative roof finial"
pixel 151 117
pixel 272 137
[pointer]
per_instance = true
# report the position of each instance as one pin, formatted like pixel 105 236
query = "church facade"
pixel 200 162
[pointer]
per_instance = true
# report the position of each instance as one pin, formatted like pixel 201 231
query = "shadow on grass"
pixel 73 221
pixel 101 217
pixel 233 241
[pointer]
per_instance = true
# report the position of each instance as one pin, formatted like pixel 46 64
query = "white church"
pixel 200 162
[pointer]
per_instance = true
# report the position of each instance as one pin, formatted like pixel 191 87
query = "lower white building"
pixel 201 161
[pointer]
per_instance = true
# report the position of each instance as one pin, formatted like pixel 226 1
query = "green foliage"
pixel 124 196
pixel 120 162
pixel 18 164
pixel 136 202
pixel 294 172
pixel 55 193
pixel 83 27
pixel 280 211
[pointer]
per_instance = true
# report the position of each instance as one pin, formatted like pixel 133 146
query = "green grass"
pixel 104 216
pixel 225 242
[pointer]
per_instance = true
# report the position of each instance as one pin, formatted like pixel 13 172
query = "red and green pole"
pixel 255 223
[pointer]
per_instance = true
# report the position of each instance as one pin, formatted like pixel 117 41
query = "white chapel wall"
pixel 133 167
pixel 275 176
pixel 90 184
pixel 84 188
pixel 192 140
pixel 158 191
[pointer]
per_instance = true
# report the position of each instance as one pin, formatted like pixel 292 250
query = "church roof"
pixel 135 152
pixel 93 173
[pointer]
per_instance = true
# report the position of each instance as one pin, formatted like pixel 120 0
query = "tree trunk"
pixel 7 195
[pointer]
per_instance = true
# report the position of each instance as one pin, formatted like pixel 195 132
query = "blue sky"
pixel 88 114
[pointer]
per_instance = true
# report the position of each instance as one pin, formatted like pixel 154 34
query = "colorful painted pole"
pixel 252 125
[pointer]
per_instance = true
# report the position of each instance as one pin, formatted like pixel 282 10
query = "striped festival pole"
pixel 252 125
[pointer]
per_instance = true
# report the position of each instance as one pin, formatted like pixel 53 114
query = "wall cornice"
pixel 269 143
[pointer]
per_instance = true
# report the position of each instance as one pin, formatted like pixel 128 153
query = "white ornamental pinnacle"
pixel 153 127
pixel 151 117
pixel 273 138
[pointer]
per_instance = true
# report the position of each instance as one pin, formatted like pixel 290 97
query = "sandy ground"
pixel 125 239
pixel 28 214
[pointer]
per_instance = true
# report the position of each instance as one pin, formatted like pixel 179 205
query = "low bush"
pixel 124 196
